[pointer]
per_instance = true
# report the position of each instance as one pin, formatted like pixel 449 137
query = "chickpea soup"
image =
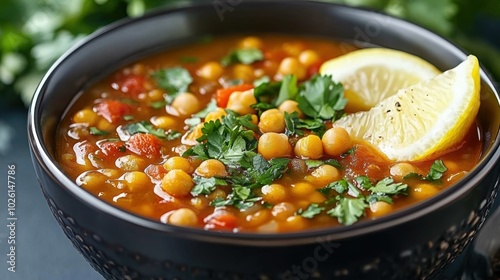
pixel 235 134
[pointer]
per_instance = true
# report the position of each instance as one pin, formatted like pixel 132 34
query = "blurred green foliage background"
pixel 34 33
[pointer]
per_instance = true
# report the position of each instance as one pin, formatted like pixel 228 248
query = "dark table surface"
pixel 42 250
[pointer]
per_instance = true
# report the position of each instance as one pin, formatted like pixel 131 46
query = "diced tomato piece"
pixel 112 110
pixel 221 220
pixel 365 161
pixel 144 144
pixel 111 149
pixel 131 84
pixel 156 171
pixel 313 69
pixel 223 94
pixel 276 55
pixel 82 150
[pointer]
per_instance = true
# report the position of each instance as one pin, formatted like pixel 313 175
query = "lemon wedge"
pixel 424 119
pixel 371 75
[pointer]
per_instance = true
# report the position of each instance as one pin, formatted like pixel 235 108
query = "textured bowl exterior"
pixel 412 244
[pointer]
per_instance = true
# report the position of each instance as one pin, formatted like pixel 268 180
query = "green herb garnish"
pixel 174 80
pixel 245 56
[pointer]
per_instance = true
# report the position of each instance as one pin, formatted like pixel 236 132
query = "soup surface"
pixel 225 134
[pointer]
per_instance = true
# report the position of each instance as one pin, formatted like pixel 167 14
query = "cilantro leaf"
pixel 206 185
pixel 228 141
pixel 294 125
pixel 292 122
pixel 348 210
pixel 387 186
pixel 364 182
pixel 245 56
pixel 435 174
pixel 158 104
pixel 146 127
pixel 288 89
pixel 437 170
pixel 267 92
pixel 174 80
pixel 95 131
pixel 340 186
pixel 311 211
pixel 321 97
pixel 261 80
pixel 312 163
pixel 372 198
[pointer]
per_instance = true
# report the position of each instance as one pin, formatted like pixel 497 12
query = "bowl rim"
pixel 443 198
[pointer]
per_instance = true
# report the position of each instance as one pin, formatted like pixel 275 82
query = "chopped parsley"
pixel 435 174
pixel 146 127
pixel 313 163
pixel 349 203
pixel 245 56
pixel 206 185
pixel 312 210
pixel 95 131
pixel 348 210
pixel 174 80
pixel 321 97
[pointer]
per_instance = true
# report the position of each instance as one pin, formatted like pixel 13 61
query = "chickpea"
pixel 217 114
pixel 240 102
pixel 302 189
pixel 270 227
pixel 295 223
pixel 336 141
pixel 251 42
pixel 291 106
pixel 316 197
pixel 211 168
pixel 156 95
pixel 210 71
pixel 258 218
pixel 218 193
pixel 92 180
pixel 196 133
pixel 136 180
pixel 308 57
pixel 110 173
pixel 86 116
pixel 255 119
pixel 324 175
pixel 293 48
pixel 186 104
pixel 130 163
pixel 399 170
pixel 181 163
pixel 199 202
pixel 274 193
pixel 380 208
pixel 309 147
pixel 272 120
pixel 104 125
pixel 177 183
pixel 291 65
pixel 138 69
pixel 183 217
pixel 272 145
pixel 243 72
pixel 164 122
pixel 423 191
pixel 283 210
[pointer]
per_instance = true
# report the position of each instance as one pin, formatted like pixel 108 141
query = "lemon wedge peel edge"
pixel 423 119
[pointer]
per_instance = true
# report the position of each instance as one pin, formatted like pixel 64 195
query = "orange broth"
pixel 128 168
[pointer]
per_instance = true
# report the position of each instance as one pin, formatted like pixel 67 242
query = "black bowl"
pixel 413 243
